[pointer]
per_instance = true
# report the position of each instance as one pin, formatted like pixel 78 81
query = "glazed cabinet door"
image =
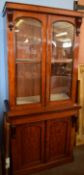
pixel 58 139
pixel 27 149
pixel 27 47
pixel 62 61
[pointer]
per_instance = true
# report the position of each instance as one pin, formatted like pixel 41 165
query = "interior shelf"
pixel 26 100
pixel 27 60
pixel 61 61
pixel 59 96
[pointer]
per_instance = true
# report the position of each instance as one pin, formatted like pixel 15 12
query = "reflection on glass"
pixel 62 60
pixel 28 43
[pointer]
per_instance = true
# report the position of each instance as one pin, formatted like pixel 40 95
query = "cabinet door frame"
pixel 71 100
pixel 11 61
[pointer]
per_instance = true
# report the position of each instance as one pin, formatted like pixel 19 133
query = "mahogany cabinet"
pixel 41 111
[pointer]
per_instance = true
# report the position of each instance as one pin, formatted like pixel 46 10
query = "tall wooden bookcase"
pixel 41 111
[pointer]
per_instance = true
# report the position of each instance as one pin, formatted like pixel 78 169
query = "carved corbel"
pixel 10 19
pixel 78 24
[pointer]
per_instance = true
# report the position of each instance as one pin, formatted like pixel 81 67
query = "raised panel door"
pixel 27 145
pixel 58 139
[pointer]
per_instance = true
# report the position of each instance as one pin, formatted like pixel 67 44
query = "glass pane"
pixel 62 60
pixel 28 43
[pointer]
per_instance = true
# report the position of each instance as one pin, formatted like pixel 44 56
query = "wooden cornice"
pixel 40 9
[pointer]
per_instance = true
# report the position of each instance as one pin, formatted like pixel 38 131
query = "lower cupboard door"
pixel 58 139
pixel 27 148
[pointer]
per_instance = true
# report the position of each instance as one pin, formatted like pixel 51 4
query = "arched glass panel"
pixel 63 34
pixel 28 44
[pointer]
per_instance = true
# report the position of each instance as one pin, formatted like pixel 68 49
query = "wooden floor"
pixel 74 168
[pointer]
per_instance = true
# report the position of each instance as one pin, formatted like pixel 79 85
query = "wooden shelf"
pixel 27 60
pixel 59 96
pixel 62 75
pixel 27 100
pixel 62 61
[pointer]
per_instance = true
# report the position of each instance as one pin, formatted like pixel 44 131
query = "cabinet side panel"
pixel 5 57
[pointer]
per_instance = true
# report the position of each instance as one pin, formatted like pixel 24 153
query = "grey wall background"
pixel 66 4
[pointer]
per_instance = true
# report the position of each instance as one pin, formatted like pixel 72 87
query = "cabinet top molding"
pixel 40 9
